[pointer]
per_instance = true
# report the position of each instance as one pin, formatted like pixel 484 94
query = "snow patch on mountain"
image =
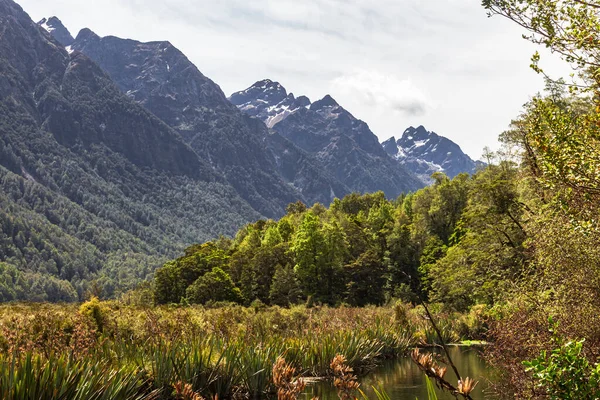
pixel 424 152
pixel 268 101
pixel 44 24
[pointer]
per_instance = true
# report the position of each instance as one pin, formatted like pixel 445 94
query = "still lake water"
pixel 402 379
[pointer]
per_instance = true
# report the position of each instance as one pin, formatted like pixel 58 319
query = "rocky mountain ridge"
pixel 342 143
pixel 418 151
pixel 424 152
pixel 159 77
pixel 54 26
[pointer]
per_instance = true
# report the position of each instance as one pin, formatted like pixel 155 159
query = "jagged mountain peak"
pixel 303 101
pixel 267 84
pixel 390 146
pixel 418 133
pixel 421 138
pixel 343 144
pixel 86 34
pixel 424 152
pixel 325 102
pixel 263 86
pixel 268 101
pixel 54 26
pixel 266 91
pixel 157 75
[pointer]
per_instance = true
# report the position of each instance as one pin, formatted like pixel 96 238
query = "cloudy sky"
pixel 392 63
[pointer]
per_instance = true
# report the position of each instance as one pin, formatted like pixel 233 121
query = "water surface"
pixel 402 379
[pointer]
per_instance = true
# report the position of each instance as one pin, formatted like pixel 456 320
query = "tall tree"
pixel 309 248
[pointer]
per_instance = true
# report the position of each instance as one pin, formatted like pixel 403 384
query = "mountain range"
pixel 342 144
pixel 116 154
pixel 346 146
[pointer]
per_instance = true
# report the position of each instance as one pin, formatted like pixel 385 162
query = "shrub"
pixel 96 311
pixel 565 372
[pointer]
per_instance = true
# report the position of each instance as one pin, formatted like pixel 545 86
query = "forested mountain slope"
pixel 267 170
pixel 93 186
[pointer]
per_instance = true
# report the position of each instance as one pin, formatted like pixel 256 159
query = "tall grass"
pixel 107 350
pixel 60 378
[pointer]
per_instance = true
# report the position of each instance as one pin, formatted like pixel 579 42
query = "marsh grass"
pixel 108 350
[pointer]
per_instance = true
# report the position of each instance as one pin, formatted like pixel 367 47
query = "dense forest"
pixel 365 249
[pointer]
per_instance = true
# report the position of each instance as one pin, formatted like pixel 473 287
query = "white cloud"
pixel 381 91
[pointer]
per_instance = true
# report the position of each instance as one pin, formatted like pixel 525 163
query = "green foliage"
pixel 569 28
pixel 489 254
pixel 11 287
pixel 172 280
pixel 215 285
pixel 438 208
pixel 285 290
pixel 365 280
pixel 380 394
pixel 545 252
pixel 96 312
pixel 61 378
pixel 431 394
pixel 365 249
pixel 309 250
pixel 51 351
pixel 565 372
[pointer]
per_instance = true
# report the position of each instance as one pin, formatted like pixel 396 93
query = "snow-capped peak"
pixel 325 102
pixel 269 101
pixel 425 152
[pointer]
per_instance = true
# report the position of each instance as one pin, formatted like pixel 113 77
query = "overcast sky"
pixel 392 63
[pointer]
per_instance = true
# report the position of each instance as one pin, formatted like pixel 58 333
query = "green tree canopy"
pixel 215 285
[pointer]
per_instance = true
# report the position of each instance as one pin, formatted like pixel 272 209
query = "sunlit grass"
pixel 108 350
